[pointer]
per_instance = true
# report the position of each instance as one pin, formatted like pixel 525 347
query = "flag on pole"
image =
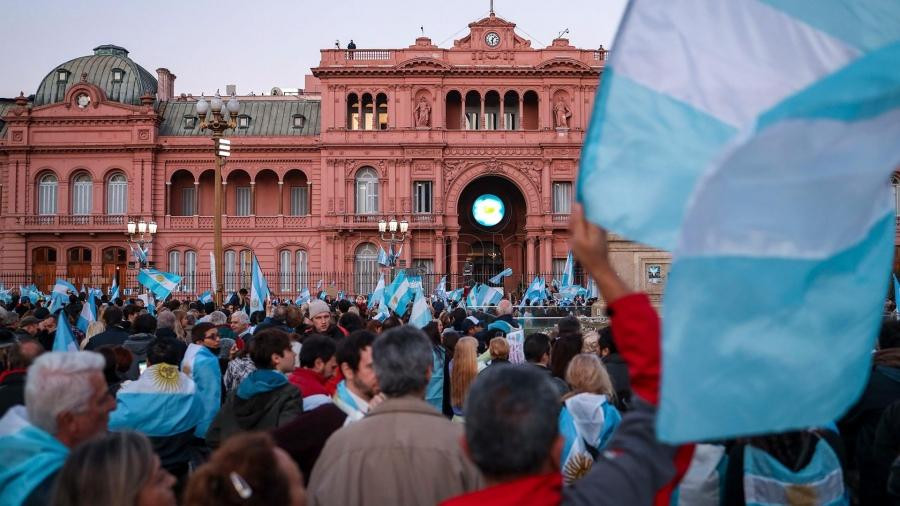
pixel 440 291
pixel 568 273
pixel 398 294
pixel 88 313
pixel 114 288
pixel 63 340
pixel 158 282
pixel 259 289
pixel 212 272
pixel 383 258
pixel 206 297
pixel 536 291
pixel 420 316
pixel 377 296
pixel 742 186
pixel 303 298
pixel 140 254
pixel 456 295
pixel 499 277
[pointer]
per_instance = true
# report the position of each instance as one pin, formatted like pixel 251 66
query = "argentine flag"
pixel 161 402
pixel 377 296
pixel 398 294
pixel 259 289
pixel 303 298
pixel 114 289
pixel 158 282
pixel 88 313
pixel 383 258
pixel 456 295
pixel 440 291
pixel 421 313
pixel 63 340
pixel 756 139
pixel 568 273
pixel 206 297
pixel 536 291
pixel 496 280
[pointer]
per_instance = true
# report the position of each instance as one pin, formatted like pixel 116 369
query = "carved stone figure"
pixel 423 113
pixel 561 114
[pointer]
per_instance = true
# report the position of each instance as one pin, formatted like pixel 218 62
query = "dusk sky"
pixel 258 45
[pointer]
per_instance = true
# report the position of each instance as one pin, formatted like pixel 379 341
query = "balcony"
pixel 238 222
pixel 370 221
pixel 72 223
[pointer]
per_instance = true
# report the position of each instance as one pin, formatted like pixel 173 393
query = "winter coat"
pixel 402 453
pixel 305 436
pixel 12 389
pixel 263 401
pixel 618 373
pixel 115 335
pixel 137 344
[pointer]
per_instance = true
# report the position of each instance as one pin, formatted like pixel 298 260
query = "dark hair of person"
pixel 198 333
pixel 458 315
pixel 605 340
pixel 564 349
pixel 144 324
pixel 315 346
pixel 569 325
pixel 250 456
pixel 118 362
pixel 343 305
pixel 536 345
pixel 242 291
pixel 209 307
pixel 163 350
pixel 450 340
pixel 112 316
pixel 350 321
pixel 266 343
pixel 793 449
pixel 173 304
pixel 256 317
pixel 511 421
pixel 889 335
pixel 131 309
pixel 350 349
pixel 390 322
pixel 431 330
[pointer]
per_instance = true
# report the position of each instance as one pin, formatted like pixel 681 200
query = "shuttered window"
pixel 116 194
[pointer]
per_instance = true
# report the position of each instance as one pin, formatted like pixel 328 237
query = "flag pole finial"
pixel 492 7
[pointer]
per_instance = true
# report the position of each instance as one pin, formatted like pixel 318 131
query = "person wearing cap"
pixel 320 314
pixel 28 328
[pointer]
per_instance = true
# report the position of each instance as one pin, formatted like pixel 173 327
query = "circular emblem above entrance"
pixel 488 210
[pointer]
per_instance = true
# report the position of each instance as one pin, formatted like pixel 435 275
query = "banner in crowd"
pixel 775 203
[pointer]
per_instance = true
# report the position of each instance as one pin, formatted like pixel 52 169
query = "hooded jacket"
pixel 137 344
pixel 263 401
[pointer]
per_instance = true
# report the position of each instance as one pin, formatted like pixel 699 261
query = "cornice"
pixel 457 71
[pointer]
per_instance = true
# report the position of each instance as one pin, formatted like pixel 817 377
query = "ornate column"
pixel 529 255
pixel 196 198
pixel 168 209
pixel 547 253
pixel 253 198
pixel 502 121
pixel 280 198
pixel 439 254
pixel 454 254
pixel 521 112
pixel 481 124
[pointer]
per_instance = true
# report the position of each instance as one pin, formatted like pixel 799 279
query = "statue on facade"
pixel 422 113
pixel 561 114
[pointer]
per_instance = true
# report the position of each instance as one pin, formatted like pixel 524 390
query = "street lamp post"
pixel 140 234
pixel 218 125
pixel 394 237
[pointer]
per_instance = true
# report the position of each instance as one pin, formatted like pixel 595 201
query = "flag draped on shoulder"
pixel 770 278
pixel 161 402
pixel 158 282
pixel 259 289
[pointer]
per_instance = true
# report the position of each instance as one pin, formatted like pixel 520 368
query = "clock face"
pixel 492 39
pixel 83 101
pixel 488 210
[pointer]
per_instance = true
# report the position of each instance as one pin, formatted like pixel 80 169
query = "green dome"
pixel 102 69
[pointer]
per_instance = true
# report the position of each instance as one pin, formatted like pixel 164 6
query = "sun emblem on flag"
pixel 577 466
pixel 165 377
pixel 159 277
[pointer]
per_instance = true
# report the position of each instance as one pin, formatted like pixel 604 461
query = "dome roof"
pixel 109 68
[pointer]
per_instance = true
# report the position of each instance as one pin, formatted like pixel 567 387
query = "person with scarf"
pixel 265 399
pixel 359 387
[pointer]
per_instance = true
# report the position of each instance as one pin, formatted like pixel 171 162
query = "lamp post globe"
pixel 233 105
pixel 202 107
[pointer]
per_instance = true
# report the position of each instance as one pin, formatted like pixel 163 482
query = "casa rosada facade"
pixel 475 145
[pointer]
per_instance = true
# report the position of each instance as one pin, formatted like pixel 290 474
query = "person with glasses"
pixel 202 365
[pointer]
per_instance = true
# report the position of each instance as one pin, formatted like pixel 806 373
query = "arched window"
pixel 246 259
pixel 366 191
pixel 284 271
pixel 230 278
pixel 190 271
pixel 300 270
pixel 366 268
pixel 82 194
pixel 47 194
pixel 116 194
pixel 352 112
pixel 175 262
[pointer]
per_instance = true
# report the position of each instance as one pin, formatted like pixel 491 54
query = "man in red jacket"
pixel 635 469
pixel 317 365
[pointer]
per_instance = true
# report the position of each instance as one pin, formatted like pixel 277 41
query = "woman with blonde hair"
pixel 94 328
pixel 588 416
pixel 181 328
pixel 463 369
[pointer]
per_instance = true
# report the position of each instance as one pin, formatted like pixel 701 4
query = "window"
pixel 284 272
pixel 562 198
pixel 62 75
pixel 299 200
pixel 188 198
pixel 190 271
pixel 246 259
pixel 116 194
pixel 190 122
pixel 425 268
pixel 366 191
pixel 82 194
pixel 422 197
pixel 299 121
pixel 47 195
pixel 242 201
pixel 175 262
pixel 243 121
pixel 366 268
pixel 471 121
pixel 118 75
pixel 300 270
pixel 490 121
pixel 230 278
pixel 559 265
pixel 510 120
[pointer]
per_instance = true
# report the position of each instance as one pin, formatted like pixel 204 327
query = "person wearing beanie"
pixel 320 314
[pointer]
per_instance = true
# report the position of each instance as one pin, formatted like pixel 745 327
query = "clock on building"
pixel 492 39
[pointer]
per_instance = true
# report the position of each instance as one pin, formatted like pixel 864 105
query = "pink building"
pixel 419 133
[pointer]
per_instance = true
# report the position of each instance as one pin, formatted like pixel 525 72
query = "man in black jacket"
pixel 115 333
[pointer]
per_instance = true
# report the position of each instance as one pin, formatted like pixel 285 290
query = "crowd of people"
pixel 322 404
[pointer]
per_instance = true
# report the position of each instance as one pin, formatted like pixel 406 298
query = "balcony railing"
pixel 236 222
pixel 560 218
pixel 83 221
pixel 368 54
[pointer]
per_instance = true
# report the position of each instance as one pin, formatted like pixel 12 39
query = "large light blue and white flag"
pixel 499 277
pixel 535 292
pixel 568 273
pixel 88 313
pixel 303 298
pixel 31 292
pixel 140 254
pixel 456 295
pixel 64 340
pixel 114 288
pixel 161 403
pixel 421 313
pixel 206 297
pixel 63 287
pixel 259 289
pixel 737 158
pixel 490 295
pixel 377 296
pixel 383 258
pixel 159 282
pixel 59 296
pixel 398 294
pixel 440 291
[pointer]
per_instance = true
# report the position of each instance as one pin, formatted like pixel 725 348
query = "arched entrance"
pixel 491 212
pixel 78 266
pixel 115 263
pixel 43 268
